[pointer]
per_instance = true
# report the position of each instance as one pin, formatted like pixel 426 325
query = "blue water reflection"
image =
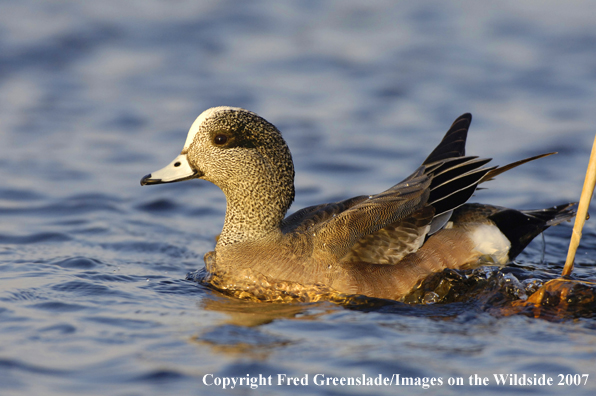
pixel 94 95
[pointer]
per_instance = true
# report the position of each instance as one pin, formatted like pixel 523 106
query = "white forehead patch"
pixel 194 128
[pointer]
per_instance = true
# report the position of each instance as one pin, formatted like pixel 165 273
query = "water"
pixel 94 95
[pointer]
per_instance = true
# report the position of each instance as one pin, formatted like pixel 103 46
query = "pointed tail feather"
pixel 555 215
pixel 521 226
pixel 495 172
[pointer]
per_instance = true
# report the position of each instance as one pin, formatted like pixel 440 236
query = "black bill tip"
pixel 146 180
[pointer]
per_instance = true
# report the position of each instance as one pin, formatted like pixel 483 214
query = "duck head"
pixel 247 158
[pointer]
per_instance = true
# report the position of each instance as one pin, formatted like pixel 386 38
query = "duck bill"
pixel 175 171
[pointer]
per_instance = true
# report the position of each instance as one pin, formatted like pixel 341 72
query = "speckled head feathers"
pixel 224 141
pixel 248 159
pixel 207 115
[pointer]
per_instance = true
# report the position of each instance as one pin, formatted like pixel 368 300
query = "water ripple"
pixel 14 364
pixel 58 306
pixel 97 94
pixel 79 263
pixel 159 205
pixel 88 289
pixel 125 323
pixel 160 377
pixel 34 238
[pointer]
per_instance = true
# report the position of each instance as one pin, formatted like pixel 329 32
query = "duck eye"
pixel 220 139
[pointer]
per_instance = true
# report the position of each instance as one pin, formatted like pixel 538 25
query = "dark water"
pixel 94 95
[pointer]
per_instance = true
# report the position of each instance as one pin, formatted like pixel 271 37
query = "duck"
pixel 380 245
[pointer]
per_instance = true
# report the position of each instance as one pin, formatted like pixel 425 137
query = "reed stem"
pixel 582 211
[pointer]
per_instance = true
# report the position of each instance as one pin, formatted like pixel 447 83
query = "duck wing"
pixel 385 227
pixel 346 218
pixel 391 244
pixel 451 182
pixel 396 221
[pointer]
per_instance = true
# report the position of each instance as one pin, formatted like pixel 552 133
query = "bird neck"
pixel 256 210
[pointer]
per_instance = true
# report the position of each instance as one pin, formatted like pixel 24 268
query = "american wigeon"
pixel 379 245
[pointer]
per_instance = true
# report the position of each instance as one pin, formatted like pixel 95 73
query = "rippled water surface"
pixel 94 95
